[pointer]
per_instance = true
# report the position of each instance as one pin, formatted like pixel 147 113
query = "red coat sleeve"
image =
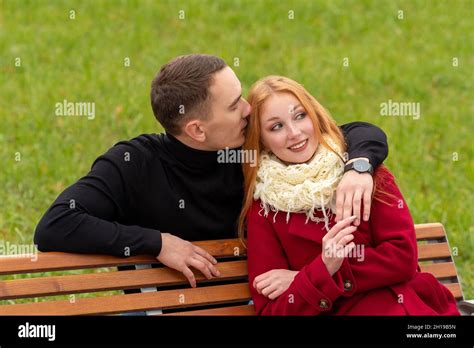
pixel 312 291
pixel 393 258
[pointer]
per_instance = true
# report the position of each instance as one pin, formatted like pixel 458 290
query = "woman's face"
pixel 287 130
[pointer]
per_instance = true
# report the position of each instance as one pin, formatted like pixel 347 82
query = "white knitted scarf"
pixel 300 188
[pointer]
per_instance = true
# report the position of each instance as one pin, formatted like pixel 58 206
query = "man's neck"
pixel 192 143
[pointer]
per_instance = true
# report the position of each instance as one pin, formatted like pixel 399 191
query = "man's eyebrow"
pixel 235 101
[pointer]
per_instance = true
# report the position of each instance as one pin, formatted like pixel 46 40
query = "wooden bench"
pixel 164 289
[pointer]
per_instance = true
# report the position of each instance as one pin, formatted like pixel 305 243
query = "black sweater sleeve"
pixel 85 217
pixel 366 140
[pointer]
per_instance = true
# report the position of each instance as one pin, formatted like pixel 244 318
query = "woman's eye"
pixel 276 126
pixel 301 115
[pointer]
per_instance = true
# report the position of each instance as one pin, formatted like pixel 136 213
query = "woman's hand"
pixel 335 247
pixel 273 283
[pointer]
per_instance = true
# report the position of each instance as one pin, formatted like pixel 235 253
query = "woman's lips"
pixel 301 146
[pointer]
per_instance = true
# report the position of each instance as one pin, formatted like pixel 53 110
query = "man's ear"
pixel 195 130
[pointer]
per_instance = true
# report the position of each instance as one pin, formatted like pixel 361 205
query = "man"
pixel 156 193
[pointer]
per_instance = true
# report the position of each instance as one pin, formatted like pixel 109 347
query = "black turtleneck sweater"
pixel 155 183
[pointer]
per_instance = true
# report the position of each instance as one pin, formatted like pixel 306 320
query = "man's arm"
pixel 87 216
pixel 368 142
pixel 84 218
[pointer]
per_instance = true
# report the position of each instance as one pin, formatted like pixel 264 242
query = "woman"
pixel 299 261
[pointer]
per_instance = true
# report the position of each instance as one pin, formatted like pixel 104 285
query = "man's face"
pixel 226 126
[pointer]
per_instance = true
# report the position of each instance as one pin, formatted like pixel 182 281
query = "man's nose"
pixel 247 108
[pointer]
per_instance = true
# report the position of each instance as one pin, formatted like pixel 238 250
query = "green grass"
pixel 407 60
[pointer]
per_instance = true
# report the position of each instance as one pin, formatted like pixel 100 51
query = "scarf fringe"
pixel 310 215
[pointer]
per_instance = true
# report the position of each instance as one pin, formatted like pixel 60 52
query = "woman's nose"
pixel 293 131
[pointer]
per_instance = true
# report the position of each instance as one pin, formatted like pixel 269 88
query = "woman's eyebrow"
pixel 273 118
pixel 294 107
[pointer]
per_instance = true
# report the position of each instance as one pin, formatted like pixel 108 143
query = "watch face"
pixel 361 166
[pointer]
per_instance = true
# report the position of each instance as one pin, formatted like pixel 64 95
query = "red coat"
pixel 386 281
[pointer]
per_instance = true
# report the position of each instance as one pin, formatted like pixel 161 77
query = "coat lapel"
pixel 311 230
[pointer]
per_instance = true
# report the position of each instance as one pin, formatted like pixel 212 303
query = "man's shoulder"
pixel 136 151
pixel 144 143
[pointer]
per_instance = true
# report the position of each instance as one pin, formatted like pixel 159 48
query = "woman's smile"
pixel 298 147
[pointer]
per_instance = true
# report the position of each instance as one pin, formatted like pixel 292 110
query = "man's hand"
pixel 353 190
pixel 179 254
pixel 273 283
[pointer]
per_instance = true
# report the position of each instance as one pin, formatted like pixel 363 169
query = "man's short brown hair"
pixel 181 89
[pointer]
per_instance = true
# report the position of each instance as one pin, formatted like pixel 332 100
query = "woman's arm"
pixel 312 291
pixel 393 258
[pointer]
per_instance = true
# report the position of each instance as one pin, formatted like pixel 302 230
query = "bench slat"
pixel 429 231
pixel 166 299
pixel 58 261
pixel 233 310
pixel 70 284
pixel 432 251
pixel 440 270
pixel 115 280
pixel 455 289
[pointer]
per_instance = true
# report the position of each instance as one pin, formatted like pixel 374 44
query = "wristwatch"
pixel 360 166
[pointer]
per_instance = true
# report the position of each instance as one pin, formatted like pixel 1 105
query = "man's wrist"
pixel 360 165
pixel 357 158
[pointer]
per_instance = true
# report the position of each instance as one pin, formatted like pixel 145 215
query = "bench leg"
pixel 150 289
pixel 466 307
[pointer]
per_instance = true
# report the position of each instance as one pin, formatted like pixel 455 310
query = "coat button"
pixel 323 304
pixel 347 285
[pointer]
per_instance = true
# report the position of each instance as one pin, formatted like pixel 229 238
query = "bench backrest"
pixel 162 288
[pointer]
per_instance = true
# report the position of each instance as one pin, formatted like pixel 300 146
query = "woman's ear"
pixel 195 130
